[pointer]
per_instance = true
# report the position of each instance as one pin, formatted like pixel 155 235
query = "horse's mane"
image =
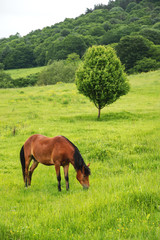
pixel 78 160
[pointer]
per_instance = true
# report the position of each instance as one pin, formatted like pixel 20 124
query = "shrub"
pixel 145 65
pixel 5 80
pixel 58 71
pixel 30 80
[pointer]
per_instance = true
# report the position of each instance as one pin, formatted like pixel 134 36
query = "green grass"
pixel 123 201
pixel 23 72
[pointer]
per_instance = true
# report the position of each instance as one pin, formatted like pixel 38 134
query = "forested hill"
pixel 103 25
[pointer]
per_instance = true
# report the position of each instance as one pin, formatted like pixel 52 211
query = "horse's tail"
pixel 22 158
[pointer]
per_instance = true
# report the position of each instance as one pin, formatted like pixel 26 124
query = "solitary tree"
pixel 101 76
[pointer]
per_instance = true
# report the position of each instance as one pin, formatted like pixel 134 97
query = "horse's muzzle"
pixel 85 187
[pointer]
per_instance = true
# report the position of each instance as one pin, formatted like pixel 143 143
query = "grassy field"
pixel 23 72
pixel 123 148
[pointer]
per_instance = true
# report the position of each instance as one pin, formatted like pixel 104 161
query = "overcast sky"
pixel 23 16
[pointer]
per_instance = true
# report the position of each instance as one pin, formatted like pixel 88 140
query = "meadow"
pixel 123 149
pixel 24 72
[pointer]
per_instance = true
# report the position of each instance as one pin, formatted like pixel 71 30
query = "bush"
pixel 30 80
pixel 58 71
pixel 5 80
pixel 145 65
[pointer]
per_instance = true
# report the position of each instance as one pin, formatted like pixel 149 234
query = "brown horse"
pixel 58 151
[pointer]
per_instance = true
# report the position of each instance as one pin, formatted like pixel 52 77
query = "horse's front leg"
pixel 57 168
pixel 66 167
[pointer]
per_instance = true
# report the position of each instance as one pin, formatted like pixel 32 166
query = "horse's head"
pixel 83 176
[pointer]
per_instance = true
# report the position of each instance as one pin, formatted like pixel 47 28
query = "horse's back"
pixel 48 150
pixel 28 145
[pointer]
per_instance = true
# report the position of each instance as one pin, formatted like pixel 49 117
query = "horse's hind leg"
pixel 66 176
pixel 32 168
pixel 26 178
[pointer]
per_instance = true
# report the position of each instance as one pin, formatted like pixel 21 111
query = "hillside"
pixel 105 24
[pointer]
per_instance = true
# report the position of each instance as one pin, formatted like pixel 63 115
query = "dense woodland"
pixel 132 27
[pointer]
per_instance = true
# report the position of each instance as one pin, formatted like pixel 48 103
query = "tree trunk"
pixel 99 113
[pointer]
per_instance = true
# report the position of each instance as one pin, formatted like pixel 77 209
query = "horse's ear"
pixel 88 165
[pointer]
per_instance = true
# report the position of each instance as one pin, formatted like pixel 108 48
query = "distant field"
pixel 123 148
pixel 23 72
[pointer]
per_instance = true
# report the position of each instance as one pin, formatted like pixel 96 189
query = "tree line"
pixel 126 25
